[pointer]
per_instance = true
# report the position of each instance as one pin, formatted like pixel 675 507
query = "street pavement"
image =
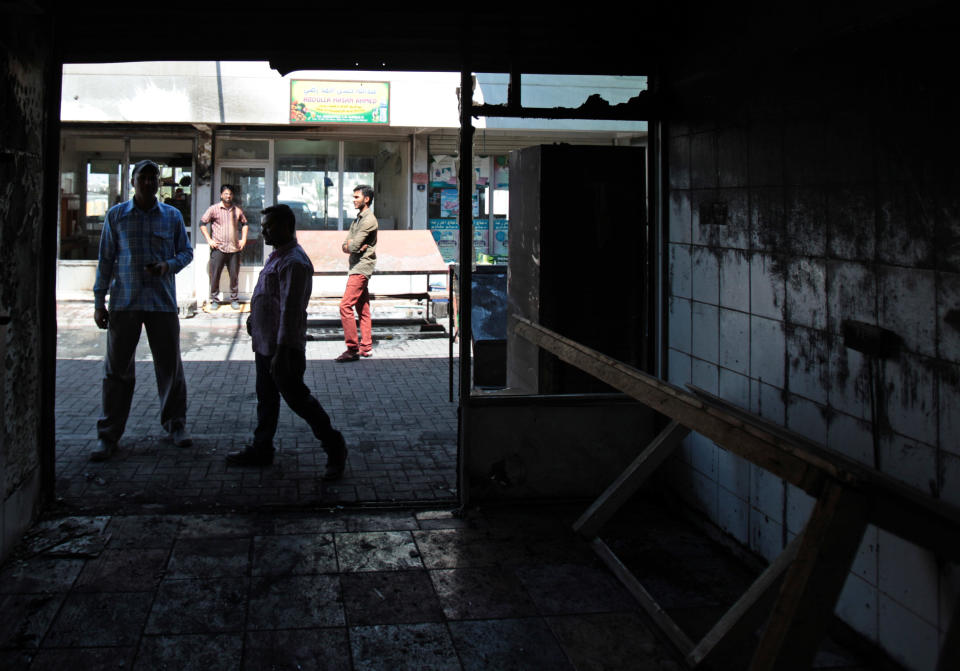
pixel 394 410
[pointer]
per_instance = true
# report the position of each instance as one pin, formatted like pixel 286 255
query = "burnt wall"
pixel 802 199
pixel 24 66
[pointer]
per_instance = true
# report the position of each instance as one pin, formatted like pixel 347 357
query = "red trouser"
pixel 356 296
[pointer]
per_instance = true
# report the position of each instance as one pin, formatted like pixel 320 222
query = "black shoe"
pixel 250 456
pixel 104 451
pixel 347 356
pixel 336 449
pixel 181 437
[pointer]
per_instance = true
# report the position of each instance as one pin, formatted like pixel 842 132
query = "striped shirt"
pixel 278 309
pixel 225 223
pixel 131 239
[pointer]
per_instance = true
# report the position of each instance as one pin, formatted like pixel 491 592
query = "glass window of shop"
pixel 308 180
pixel 92 181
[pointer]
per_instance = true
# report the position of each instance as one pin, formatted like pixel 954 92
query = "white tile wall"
pixel 734 342
pixel 705 375
pixel 680 220
pixel 851 293
pixel 808 366
pixel 767 345
pixel 858 605
pixel 909 461
pixel 734 515
pixel 735 388
pixel 807 418
pixel 849 381
pixel 948 316
pixel 706 275
pixel 799 506
pixel 852 437
pixel 680 277
pixel 911 407
pixel 735 280
pixel 909 639
pixel 705 324
pixel 948 401
pixel 678 365
pixel 767 287
pixel 679 329
pixel 807 292
pixel 908 306
pixel 915 589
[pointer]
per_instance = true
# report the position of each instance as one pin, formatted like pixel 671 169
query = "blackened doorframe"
pixel 643 106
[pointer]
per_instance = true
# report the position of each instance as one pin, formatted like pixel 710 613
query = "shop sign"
pixel 314 101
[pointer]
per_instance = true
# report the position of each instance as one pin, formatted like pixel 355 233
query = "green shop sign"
pixel 313 101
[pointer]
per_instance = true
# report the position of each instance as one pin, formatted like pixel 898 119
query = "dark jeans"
pixel 218 260
pixel 119 369
pixel 297 396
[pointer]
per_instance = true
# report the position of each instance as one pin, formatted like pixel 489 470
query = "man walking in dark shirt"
pixel 278 327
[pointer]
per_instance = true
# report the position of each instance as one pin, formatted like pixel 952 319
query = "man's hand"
pixel 214 244
pixel 249 327
pixel 242 244
pixel 346 248
pixel 157 268
pixel 101 317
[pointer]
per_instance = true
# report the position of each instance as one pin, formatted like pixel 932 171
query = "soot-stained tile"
pixel 24 618
pixel 462 548
pixel 458 548
pixel 403 647
pixel 610 641
pixel 294 555
pixel 571 588
pixel 143 531
pixel 224 526
pixel 209 558
pixel 192 652
pixel 16 660
pixel 301 649
pixel 40 575
pixel 123 570
pixel 481 593
pixel 198 606
pixel 377 551
pixel 393 597
pixel 523 644
pixel 99 619
pixel 89 659
pixel 309 524
pixel 388 521
pixel 295 602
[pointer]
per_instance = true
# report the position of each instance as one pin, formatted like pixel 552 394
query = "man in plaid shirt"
pixel 142 246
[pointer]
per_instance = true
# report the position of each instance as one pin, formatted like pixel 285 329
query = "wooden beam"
pixel 747 614
pixel 632 478
pixel 812 585
pixel 646 601
pixel 798 466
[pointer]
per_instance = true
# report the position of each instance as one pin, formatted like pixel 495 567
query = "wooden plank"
pixel 950 652
pixel 646 601
pixel 794 465
pixel 813 582
pixel 747 614
pixel 630 480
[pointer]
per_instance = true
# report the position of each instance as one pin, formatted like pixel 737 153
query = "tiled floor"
pixel 329 590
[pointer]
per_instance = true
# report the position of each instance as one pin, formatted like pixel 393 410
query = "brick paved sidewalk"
pixel 393 409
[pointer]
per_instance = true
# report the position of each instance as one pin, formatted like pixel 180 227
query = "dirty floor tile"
pixel 387 521
pixel 194 652
pixel 302 649
pixel 308 524
pixel 523 645
pixel 377 551
pixel 209 558
pixel 294 602
pixel 481 593
pixel 458 548
pixel 123 570
pixel 39 575
pixel 224 526
pixel 611 641
pixel 99 619
pixel 82 658
pixel 396 597
pixel 24 618
pixel 403 647
pixel 571 588
pixel 198 606
pixel 295 554
pixel 143 531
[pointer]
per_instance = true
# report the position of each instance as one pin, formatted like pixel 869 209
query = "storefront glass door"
pixel 252 191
